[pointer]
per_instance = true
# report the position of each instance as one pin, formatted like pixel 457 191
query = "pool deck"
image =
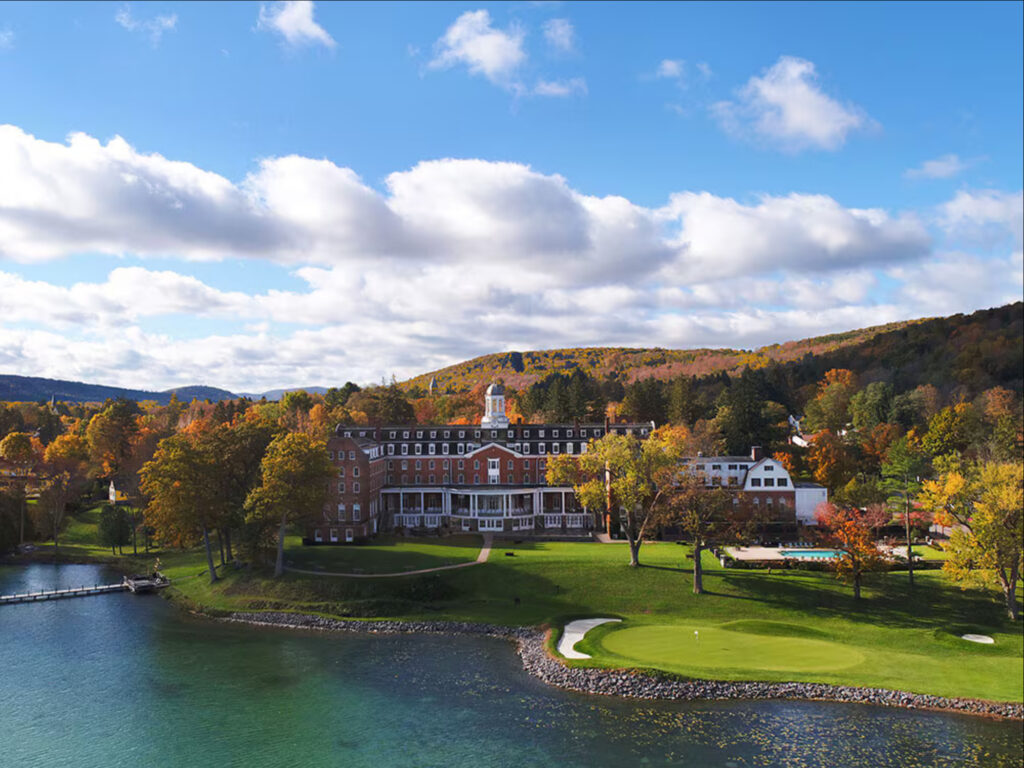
pixel 770 554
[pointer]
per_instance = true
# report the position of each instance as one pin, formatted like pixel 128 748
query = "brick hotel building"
pixel 491 477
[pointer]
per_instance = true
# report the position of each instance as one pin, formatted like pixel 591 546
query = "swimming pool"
pixel 811 554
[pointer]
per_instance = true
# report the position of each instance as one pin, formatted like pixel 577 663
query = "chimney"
pixel 756 453
pixel 606 424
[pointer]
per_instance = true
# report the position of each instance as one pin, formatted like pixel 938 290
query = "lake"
pixel 125 680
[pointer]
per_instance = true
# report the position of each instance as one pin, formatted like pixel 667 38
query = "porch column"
pixel 401 506
pixel 423 503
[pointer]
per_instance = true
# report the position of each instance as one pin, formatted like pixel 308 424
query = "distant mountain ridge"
pixel 34 388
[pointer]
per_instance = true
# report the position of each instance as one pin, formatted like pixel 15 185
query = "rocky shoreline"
pixel 634 684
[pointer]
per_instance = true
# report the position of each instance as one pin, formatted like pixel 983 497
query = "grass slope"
pixel 792 625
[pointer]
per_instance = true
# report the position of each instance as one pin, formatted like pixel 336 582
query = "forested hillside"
pixel 32 389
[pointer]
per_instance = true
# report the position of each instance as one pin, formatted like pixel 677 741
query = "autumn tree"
pixel 64 472
pixel 707 515
pixel 982 501
pixel 621 472
pixel 830 407
pixel 848 532
pixel 110 434
pixel 295 472
pixel 181 485
pixel 831 460
pixel 16 447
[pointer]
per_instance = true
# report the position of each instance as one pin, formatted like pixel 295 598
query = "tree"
pixel 831 460
pixel 295 472
pixel 951 430
pixel 110 435
pixel 830 407
pixel 848 531
pixel 902 481
pixel 181 483
pixel 16 448
pixel 708 515
pixel 64 477
pixel 621 472
pixel 871 406
pixel 982 501
pixel 114 528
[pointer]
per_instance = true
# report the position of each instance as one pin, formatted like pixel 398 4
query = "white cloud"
pixel 293 20
pixel 471 40
pixel 560 87
pixel 705 70
pixel 673 69
pixel 153 27
pixel 452 258
pixel 6 38
pixel 986 216
pixel 786 107
pixel 560 35
pixel 943 167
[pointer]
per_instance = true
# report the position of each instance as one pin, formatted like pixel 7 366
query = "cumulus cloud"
pixel 560 35
pixel 154 27
pixel 986 216
pixel 293 20
pixel 721 236
pixel 786 107
pixel 448 259
pixel 484 50
pixel 944 167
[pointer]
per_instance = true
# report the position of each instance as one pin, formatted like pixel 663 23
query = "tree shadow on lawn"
pixel 891 602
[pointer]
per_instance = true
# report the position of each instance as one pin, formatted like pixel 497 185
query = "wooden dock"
pixel 60 594
pixel 136 584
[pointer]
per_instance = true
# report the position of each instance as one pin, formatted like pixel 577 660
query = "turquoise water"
pixel 811 554
pixel 123 680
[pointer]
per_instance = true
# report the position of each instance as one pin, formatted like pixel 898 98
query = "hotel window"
pixel 419 449
pixel 433 434
pixel 541 465
pixel 392 435
pixel 511 464
pixel 391 450
pixel 476 479
pixel 355 487
pixel 462 479
pixel 341 487
pixel 430 464
pixel 351 455
pixel 732 467
pixel 444 449
pixel 391 464
pixel 341 511
pixel 554 447
pixel 716 466
pixel 526 433
pixel 769 468
pixel 446 465
pixel 462 449
pixel 540 432
pixel 419 434
pixel 405 449
pixel 430 479
pixel 476 433
pixel 511 434
pixel 782 482
pixel 462 464
pixel 447 478
pixel 568 433
pixel 511 480
pixel 526 447
pixel 769 482
pixel 341 471
pixel 447 434
pixel 583 447
pixel 494 434
pixel 356 514
pixel 355 471
pixel 362 434
pixel 568 447
pixel 541 447
pixel 462 433
pixel 554 433
pixel 419 464
pixel 405 435
pixel 348 434
pixel 405 465
pixel 431 448
pixel 330 455
pixel 419 479
pixel 391 479
pixel 526 464
pixel 405 479
pixel 755 482
pixel 476 464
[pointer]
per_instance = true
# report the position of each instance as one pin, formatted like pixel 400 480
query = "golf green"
pixel 688 647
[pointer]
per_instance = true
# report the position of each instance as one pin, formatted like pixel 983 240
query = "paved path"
pixel 485 552
pixel 574 632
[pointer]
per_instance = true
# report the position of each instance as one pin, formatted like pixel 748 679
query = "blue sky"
pixel 255 195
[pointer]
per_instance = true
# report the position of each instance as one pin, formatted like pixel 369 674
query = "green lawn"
pixel 385 554
pixel 790 625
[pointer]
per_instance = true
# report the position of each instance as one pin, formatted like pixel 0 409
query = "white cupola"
pixel 494 407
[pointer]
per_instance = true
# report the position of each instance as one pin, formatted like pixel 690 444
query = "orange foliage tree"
pixel 848 531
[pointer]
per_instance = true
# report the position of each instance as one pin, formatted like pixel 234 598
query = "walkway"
pixel 485 552
pixel 574 632
pixel 58 594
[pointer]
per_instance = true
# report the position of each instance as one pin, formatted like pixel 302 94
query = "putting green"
pixel 675 647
